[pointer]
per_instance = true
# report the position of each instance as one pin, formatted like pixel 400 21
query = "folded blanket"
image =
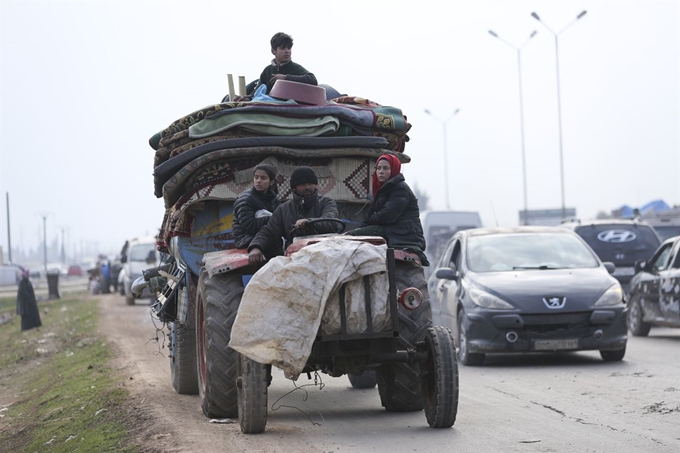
pixel 265 123
pixel 367 115
pixel 163 172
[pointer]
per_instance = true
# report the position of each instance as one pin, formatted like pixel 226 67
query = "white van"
pixel 141 254
pixel 9 275
pixel 439 226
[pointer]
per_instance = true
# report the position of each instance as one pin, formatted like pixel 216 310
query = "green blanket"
pixel 266 124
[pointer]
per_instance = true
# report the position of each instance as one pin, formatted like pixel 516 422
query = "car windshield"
pixel 140 252
pixel 527 251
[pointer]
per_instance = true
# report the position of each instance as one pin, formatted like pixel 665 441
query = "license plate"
pixel 624 271
pixel 552 345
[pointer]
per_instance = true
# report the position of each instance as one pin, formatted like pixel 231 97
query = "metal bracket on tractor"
pixel 165 280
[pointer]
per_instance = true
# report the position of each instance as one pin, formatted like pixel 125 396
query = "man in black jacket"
pixel 290 219
pixel 282 67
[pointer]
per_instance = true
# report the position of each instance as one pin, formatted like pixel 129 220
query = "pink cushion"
pixel 299 92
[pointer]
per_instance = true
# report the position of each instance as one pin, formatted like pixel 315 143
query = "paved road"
pixel 571 402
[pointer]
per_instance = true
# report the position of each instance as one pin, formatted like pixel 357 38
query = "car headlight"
pixel 613 296
pixel 486 300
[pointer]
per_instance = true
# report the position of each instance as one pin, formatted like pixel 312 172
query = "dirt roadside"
pixel 572 402
pixel 165 421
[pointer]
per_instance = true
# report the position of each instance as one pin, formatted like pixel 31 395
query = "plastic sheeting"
pixel 286 301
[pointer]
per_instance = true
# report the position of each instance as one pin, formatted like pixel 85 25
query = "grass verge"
pixel 8 304
pixel 57 392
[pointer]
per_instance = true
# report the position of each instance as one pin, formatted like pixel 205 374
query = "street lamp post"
pixel 521 114
pixel 44 216
pixel 559 102
pixel 446 151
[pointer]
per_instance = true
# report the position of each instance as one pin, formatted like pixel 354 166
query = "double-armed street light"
pixel 446 151
pixel 521 112
pixel 559 104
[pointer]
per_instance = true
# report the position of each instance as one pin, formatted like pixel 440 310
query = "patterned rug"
pixel 345 179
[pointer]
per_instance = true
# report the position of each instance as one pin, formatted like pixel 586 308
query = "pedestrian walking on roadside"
pixel 27 306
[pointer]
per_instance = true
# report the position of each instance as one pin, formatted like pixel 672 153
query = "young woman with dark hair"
pixel 254 207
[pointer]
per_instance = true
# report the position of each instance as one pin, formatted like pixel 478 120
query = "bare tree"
pixel 423 198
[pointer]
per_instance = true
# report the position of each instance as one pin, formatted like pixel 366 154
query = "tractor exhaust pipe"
pixel 138 286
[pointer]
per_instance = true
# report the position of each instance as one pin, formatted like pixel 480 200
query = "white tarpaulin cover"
pixel 285 301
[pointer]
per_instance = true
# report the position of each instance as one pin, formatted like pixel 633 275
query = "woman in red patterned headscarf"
pixel 394 208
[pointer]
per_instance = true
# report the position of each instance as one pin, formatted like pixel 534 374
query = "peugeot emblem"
pixel 554 302
pixel 616 236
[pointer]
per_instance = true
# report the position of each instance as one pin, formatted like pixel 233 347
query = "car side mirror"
pixel 611 267
pixel 447 273
pixel 639 265
pixel 123 259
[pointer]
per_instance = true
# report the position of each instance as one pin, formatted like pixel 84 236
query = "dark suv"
pixel 622 242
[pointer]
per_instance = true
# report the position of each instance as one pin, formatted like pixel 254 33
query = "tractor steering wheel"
pixel 312 222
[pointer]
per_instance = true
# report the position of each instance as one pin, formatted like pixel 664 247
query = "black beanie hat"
pixel 303 175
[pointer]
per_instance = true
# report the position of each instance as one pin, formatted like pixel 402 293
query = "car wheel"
pixel 613 356
pixel 464 356
pixel 636 325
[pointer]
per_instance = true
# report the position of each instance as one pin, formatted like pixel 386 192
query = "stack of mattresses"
pixel 210 154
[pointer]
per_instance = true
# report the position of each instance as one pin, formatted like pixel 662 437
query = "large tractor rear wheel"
pixel 399 384
pixel 218 301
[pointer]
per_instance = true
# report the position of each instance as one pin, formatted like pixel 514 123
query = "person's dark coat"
pixel 246 225
pixel 27 306
pixel 395 208
pixel 293 72
pixel 282 220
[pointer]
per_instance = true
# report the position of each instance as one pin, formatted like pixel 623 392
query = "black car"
pixel 655 290
pixel 527 289
pixel 622 242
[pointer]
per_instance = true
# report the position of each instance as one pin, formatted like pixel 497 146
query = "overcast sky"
pixel 84 84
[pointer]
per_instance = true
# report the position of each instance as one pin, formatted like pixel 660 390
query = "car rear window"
pixel 621 244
